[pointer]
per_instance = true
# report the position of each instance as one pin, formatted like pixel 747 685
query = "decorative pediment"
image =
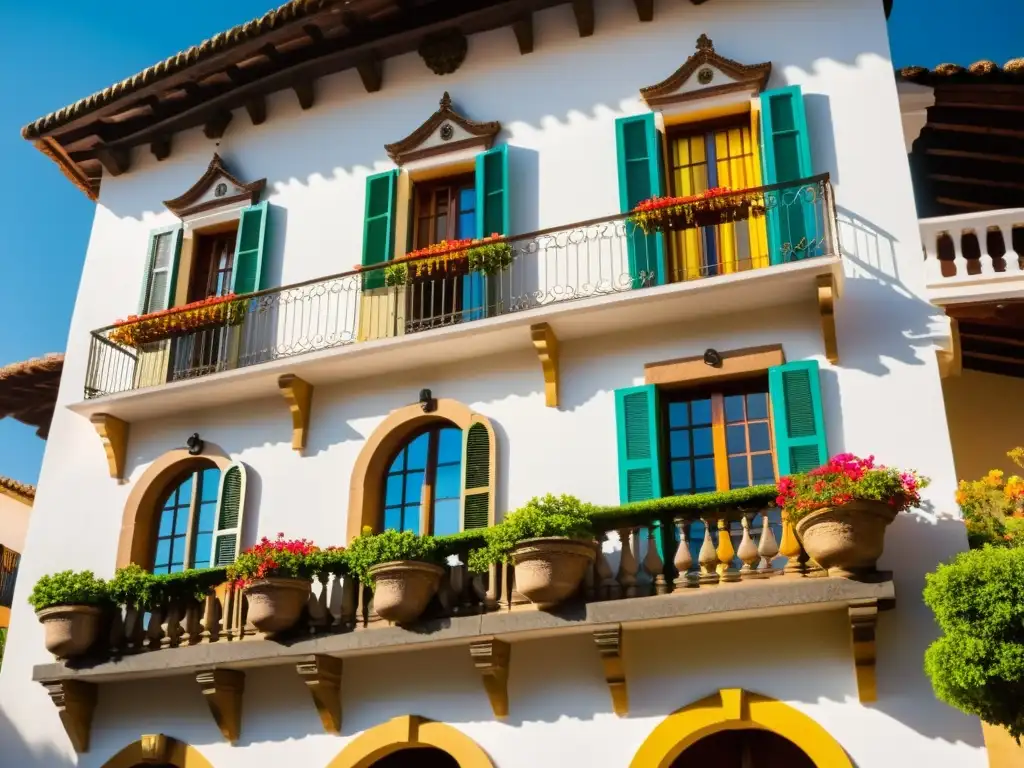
pixel 706 73
pixel 217 187
pixel 444 131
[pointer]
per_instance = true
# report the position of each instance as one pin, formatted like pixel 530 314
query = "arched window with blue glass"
pixel 424 482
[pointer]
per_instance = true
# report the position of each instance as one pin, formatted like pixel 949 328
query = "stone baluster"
pixel 493 585
pixel 192 628
pixel 155 630
pixel 725 551
pixel 607 587
pixel 767 547
pixel 448 592
pixel 174 630
pixel 133 629
pixel 790 547
pixel 115 638
pixel 211 617
pixel 683 560
pixel 349 601
pixel 653 565
pixel 708 557
pixel 627 564
pixel 747 551
pixel 316 611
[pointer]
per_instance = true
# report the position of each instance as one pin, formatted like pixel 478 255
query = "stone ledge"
pixel 752 599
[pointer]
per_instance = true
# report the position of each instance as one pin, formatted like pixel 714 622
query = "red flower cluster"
pixel 269 558
pixel 656 203
pixel 209 301
pixel 199 315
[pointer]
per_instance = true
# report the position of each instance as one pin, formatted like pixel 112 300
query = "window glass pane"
pixel 185 491
pixel 736 438
pixel 417 452
pixel 757 406
pixel 467 200
pixel 413 486
pixel 446 517
pixel 399 463
pixel 393 491
pixel 734 408
pixel 449 446
pixel 411 518
pixel 466 227
pixel 177 553
pixel 393 519
pixel 163 552
pixel 207 513
pixel 679 443
pixel 738 472
pixel 681 481
pixel 678 414
pixel 161 569
pixel 441 229
pixel 166 523
pixel 447 484
pixel 701 411
pixel 201 558
pixel 759 438
pixel 211 484
pixel 764 469
pixel 181 521
pixel 702 444
pixel 704 472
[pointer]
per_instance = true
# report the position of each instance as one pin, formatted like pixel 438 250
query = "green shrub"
pixel 330 560
pixel 491 258
pixel 539 517
pixel 977 665
pixel 68 588
pixel 372 549
pixel 132 585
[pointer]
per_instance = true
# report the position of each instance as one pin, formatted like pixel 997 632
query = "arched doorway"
pixel 418 757
pixel 744 748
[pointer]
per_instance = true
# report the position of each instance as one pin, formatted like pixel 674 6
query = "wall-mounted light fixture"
pixel 427 401
pixel 195 445
pixel 712 358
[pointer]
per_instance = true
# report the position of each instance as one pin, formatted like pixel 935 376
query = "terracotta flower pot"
pixel 550 569
pixel 276 604
pixel 69 630
pixel 403 588
pixel 847 540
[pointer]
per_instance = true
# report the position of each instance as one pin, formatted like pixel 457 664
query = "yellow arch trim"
pixel 410 731
pixel 161 749
pixel 733 709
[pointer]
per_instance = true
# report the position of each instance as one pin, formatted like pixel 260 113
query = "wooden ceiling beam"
pixel 523 30
pixel 115 160
pixel 970 155
pixel 583 10
pixel 161 148
pixel 977 182
pixel 993 358
pixel 644 9
pixel 969 205
pixel 992 339
pixel 314 33
pixel 217 124
pixel 371 72
pixel 977 130
pixel 256 106
pixel 305 92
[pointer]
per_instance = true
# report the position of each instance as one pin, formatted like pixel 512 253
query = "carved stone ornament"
pixel 704 74
pixel 444 51
pixel 444 131
pixel 216 188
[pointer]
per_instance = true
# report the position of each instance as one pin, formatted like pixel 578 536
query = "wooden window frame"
pixel 427 490
pixel 193 517
pixel 455 182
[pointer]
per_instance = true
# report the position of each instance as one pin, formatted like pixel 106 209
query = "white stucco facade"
pixel 557 107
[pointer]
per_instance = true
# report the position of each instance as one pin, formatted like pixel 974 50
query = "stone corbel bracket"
pixel 863 619
pixel 155 748
pixel 322 675
pixel 298 393
pixel 491 659
pixel 827 294
pixel 75 702
pixel 113 434
pixel 546 344
pixel 222 689
pixel 950 363
pixel 609 646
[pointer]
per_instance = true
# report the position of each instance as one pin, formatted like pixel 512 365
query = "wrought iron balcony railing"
pixel 578 261
pixel 9 561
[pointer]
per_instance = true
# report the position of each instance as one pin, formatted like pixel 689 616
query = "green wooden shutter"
pixel 492 217
pixel 161 274
pixel 786 156
pixel 638 145
pixel 637 416
pixel 379 225
pixel 247 273
pixel 476 463
pixel 799 421
pixel 227 537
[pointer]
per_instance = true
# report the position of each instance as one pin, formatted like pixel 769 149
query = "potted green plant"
pixel 549 540
pixel 402 568
pixel 276 577
pixel 842 509
pixel 69 605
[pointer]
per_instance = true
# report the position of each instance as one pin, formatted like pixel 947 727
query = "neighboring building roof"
pixel 980 72
pixel 22 492
pixel 28 391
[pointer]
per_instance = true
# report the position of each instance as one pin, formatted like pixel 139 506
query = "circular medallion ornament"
pixel 705 75
pixel 447 132
pixel 220 190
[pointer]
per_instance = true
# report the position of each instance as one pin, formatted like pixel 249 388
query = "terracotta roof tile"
pixel 21 491
pixel 28 391
pixel 981 72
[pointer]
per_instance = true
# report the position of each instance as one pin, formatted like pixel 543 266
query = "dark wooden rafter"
pixel 305 92
pixel 644 9
pixel 161 148
pixel 314 33
pixel 523 30
pixel 257 109
pixel 583 10
pixel 371 72
pixel 115 160
pixel 217 124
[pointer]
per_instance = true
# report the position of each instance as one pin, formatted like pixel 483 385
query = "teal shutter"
pixel 476 462
pixel 799 421
pixel 379 225
pixel 161 270
pixel 638 145
pixel 227 537
pixel 638 416
pixel 492 217
pixel 792 230
pixel 247 272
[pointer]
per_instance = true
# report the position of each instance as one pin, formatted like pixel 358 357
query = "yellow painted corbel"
pixel 826 307
pixel 491 659
pixel 322 675
pixel 222 689
pixel 75 702
pixel 298 393
pixel 609 646
pixel 950 363
pixel 113 434
pixel 863 617
pixel 546 344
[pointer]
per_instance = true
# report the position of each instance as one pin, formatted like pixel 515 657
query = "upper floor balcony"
pixel 570 282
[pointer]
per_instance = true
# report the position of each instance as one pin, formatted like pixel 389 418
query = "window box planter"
pixel 214 312
pixel 70 630
pixel 403 589
pixel 716 206
pixel 550 570
pixel 848 539
pixel 488 256
pixel 276 604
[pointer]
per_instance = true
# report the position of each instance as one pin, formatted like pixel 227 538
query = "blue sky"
pixel 60 51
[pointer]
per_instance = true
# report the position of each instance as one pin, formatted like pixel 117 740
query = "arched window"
pixel 423 487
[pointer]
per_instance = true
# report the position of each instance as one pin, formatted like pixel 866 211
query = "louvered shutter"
pixel 492 217
pixel 638 146
pixel 379 225
pixel 799 421
pixel 227 538
pixel 478 466
pixel 247 272
pixel 161 270
pixel 637 417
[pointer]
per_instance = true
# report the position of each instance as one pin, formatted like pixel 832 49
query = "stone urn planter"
pixel 70 630
pixel 550 569
pixel 847 540
pixel 403 589
pixel 276 604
